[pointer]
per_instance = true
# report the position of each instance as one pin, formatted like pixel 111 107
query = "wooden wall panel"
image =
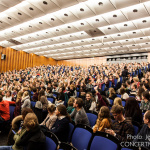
pixel 21 60
pixel 83 62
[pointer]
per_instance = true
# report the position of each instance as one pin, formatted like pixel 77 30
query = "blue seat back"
pixel 103 87
pixel 78 94
pixel 92 118
pixel 71 128
pixel 11 111
pixel 126 149
pixel 111 101
pixel 136 129
pixel 50 144
pixel 102 143
pixel 118 95
pixel 110 84
pixel 50 99
pixel 123 103
pixel 115 82
pixel 80 138
pixel 33 104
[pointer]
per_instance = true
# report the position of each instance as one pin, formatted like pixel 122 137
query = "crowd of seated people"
pixel 76 90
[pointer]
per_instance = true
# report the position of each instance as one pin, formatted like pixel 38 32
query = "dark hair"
pixel 41 93
pixel 140 91
pixel 79 101
pixel 1 98
pixel 132 108
pixel 117 109
pixel 124 85
pixel 71 101
pixel 122 91
pixel 146 95
pixel 49 89
pixel 51 108
pixel 63 111
pixel 146 85
pixel 135 86
pixel 34 89
pixel 25 111
pixel 128 81
pixel 147 115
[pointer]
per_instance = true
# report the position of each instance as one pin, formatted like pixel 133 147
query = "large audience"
pixel 64 94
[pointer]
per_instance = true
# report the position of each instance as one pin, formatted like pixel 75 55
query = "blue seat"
pixel 31 93
pixel 92 118
pixel 126 149
pixel 118 95
pixel 103 87
pixel 78 93
pixel 33 104
pixel 115 82
pixel 51 141
pixel 66 146
pixel 71 128
pixel 123 103
pixel 103 141
pixel 50 99
pixel 11 110
pixel 81 136
pixel 110 84
pixel 111 101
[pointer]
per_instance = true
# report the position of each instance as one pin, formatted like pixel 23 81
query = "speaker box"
pixel 3 56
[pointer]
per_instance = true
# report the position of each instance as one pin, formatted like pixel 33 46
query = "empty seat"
pixel 92 117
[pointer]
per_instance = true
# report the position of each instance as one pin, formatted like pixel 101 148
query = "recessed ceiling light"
pixel 134 32
pixel 114 16
pixel 81 9
pixel 19 13
pixel 69 27
pixel 52 19
pixel 127 40
pixel 65 14
pixel 31 8
pixel 1 22
pixel 135 10
pixel 114 42
pixel 97 20
pixel 144 21
pixel 30 26
pixel 44 2
pixel 105 37
pixel 125 25
pixel 82 24
pixel 40 22
pixel 57 30
pixel 109 28
pixel 9 18
pixel 141 38
pixel 118 35
pixel 146 43
pixel 100 3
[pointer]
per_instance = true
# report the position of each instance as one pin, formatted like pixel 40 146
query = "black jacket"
pixel 33 139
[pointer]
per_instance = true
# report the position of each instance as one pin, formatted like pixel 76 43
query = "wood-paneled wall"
pixel 83 62
pixel 21 60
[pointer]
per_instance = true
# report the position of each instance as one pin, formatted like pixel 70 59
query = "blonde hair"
pixel 26 93
pixel 30 121
pixel 111 92
pixel 118 101
pixel 136 79
pixel 71 101
pixel 19 95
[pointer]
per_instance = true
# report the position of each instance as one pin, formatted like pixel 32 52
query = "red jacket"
pixel 4 109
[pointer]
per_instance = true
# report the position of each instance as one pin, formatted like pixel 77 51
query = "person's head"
pixel 134 86
pixel 71 101
pixel 78 103
pixel 132 107
pixel 26 93
pixel 88 96
pixel 104 113
pixel 71 87
pixel 19 95
pixel 146 117
pixel 1 98
pixel 122 91
pixel 145 86
pixel 60 90
pixel 145 95
pixel 51 108
pixel 117 112
pixel 49 90
pixel 30 121
pixel 118 101
pixel 111 92
pixel 128 82
pixel 140 91
pixel 135 79
pixel 25 111
pixel 8 93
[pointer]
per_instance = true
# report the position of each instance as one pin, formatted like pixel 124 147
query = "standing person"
pixel 79 114
pixel 125 74
pixel 61 126
pixel 103 121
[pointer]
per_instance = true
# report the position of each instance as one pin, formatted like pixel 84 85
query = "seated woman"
pixel 70 107
pixel 103 121
pixel 90 103
pixel 132 110
pixel 123 93
pixel 61 126
pixel 139 94
pixel 118 101
pixel 112 93
pixel 25 100
pixel 30 138
pixel 51 117
pixel 8 96
pixel 60 97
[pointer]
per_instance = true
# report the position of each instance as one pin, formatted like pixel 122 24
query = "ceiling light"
pixel 44 2
pixel 52 19
pixel 125 25
pixel 97 20
pixel 19 13
pixel 82 24
pixel 144 21
pixel 109 28
pixel 31 8
pixel 135 10
pixel 100 3
pixel 81 9
pixel 114 16
pixel 66 15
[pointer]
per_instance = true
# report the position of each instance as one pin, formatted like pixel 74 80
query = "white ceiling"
pixel 66 29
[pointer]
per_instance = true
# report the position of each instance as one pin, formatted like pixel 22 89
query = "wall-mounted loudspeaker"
pixel 3 56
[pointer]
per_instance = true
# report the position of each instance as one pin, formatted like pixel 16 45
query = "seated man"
pixel 120 127
pixel 144 134
pixel 79 114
